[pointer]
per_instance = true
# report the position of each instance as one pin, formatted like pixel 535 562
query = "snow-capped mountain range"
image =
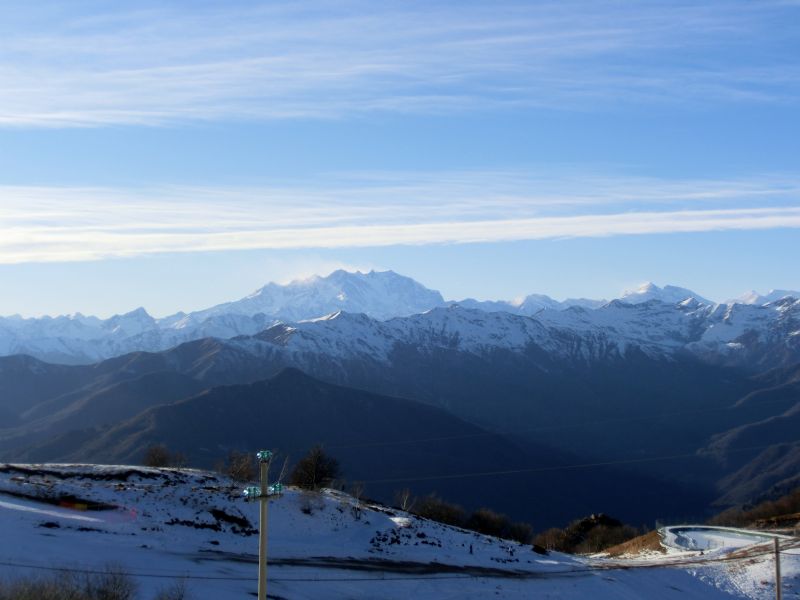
pixel 753 297
pixel 725 334
pixel 364 307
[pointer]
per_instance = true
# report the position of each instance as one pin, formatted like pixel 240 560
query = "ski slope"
pixel 162 524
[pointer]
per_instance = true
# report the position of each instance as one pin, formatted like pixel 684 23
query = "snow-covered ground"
pixel 160 524
pixel 703 537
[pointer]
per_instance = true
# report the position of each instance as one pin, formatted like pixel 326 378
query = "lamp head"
pixel 251 493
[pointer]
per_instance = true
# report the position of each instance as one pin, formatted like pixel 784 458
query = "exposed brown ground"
pixel 649 542
pixel 792 520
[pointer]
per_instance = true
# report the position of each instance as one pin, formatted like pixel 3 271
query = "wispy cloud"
pixel 60 67
pixel 76 224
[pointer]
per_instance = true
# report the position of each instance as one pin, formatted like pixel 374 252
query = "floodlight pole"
pixel 778 593
pixel 264 459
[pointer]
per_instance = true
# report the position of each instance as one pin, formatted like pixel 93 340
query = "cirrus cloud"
pixel 156 65
pixel 50 224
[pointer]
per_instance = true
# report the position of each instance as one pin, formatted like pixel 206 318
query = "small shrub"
pixel 520 532
pixel 311 502
pixel 157 455
pixel 175 591
pixel 179 460
pixel 114 584
pixel 488 522
pixel 552 539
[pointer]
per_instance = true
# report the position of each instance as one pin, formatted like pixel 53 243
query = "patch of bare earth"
pixel 649 542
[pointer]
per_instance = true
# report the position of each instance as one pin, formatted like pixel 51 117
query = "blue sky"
pixel 174 155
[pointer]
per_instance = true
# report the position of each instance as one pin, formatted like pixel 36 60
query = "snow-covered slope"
pixel 161 524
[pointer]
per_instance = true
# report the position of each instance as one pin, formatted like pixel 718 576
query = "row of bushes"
pixel 589 535
pixel 788 504
pixel 112 584
pixel 483 520
pixel 315 470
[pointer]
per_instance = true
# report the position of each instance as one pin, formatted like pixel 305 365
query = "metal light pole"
pixel 262 494
pixel 264 459
pixel 778 593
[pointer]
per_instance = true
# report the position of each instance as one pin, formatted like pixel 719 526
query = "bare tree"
pixel 357 492
pixel 240 466
pixel 404 499
pixel 179 460
pixel 315 470
pixel 285 466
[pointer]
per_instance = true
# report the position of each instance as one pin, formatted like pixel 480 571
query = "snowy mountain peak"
pixel 753 297
pixel 689 303
pixel 131 323
pixel 647 287
pixel 379 294
pixel 669 294
pixel 138 315
pixel 533 303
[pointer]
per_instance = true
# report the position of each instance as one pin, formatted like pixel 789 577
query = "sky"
pixel 174 155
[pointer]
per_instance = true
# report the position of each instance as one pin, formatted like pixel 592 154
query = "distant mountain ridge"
pixel 626 380
pixel 760 337
pixel 109 412
pixel 80 339
pixel 656 373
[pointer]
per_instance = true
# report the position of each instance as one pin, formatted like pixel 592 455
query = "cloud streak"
pixel 286 60
pixel 48 224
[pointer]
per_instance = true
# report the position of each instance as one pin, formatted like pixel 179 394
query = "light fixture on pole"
pixel 262 494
